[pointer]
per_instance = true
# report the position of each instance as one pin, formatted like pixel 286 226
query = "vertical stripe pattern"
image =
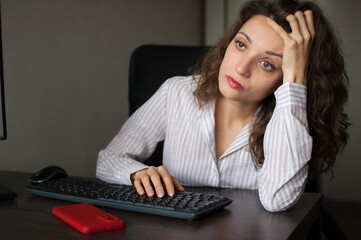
pixel 172 115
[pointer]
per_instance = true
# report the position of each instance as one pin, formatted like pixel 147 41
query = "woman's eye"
pixel 267 65
pixel 240 44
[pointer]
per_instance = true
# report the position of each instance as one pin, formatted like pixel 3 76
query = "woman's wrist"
pixel 295 78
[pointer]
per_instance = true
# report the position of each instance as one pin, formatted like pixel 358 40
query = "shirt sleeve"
pixel 287 149
pixel 135 142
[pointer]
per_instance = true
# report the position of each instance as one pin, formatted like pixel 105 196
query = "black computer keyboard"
pixel 184 205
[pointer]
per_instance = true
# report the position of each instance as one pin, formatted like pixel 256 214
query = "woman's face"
pixel 252 66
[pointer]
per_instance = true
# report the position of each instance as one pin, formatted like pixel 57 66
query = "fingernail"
pixel 171 193
pixel 160 194
pixel 150 194
pixel 268 19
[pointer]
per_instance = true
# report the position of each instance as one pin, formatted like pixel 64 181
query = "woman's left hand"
pixel 297 45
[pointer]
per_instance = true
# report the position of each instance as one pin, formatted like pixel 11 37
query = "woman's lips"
pixel 233 83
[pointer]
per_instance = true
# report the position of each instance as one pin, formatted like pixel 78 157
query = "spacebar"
pixel 136 204
pixel 116 201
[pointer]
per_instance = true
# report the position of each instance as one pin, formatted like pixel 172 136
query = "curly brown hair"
pixel 327 83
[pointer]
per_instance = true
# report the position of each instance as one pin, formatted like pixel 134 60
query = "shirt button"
pixel 215 173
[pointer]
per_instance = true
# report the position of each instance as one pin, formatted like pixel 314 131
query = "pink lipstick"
pixel 233 83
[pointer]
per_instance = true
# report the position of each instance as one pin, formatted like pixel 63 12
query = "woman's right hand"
pixel 297 45
pixel 144 180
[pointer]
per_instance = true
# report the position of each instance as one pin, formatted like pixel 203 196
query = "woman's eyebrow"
pixel 274 54
pixel 248 38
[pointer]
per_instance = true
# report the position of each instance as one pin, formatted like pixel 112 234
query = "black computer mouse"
pixel 47 174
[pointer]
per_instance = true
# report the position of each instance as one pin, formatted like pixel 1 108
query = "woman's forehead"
pixel 257 31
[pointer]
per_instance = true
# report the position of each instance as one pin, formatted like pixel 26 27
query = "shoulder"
pixel 181 84
pixel 181 81
pixel 180 92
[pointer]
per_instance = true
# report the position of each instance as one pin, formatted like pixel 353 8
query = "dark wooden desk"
pixel 29 217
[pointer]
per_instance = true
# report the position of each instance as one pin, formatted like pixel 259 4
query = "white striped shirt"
pixel 172 115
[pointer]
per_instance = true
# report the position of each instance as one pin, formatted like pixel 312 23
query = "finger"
pixel 303 25
pixel 278 29
pixel 309 21
pixel 147 185
pixel 157 183
pixel 177 185
pixel 138 186
pixel 167 179
pixel 293 21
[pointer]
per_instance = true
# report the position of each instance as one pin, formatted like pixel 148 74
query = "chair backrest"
pixel 150 66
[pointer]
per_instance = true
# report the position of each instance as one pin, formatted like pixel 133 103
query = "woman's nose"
pixel 243 66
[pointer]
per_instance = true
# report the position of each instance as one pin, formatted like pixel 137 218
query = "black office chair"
pixel 150 66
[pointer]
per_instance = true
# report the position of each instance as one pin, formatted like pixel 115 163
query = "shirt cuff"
pixel 291 94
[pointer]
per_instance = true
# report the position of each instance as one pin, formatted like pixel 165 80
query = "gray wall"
pixel 66 73
pixel 346 18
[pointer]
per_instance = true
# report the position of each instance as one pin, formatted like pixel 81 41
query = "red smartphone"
pixel 87 218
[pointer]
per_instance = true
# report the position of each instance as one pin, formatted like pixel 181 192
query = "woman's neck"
pixel 230 118
pixel 233 112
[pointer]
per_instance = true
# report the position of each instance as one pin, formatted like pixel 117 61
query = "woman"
pixel 263 111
